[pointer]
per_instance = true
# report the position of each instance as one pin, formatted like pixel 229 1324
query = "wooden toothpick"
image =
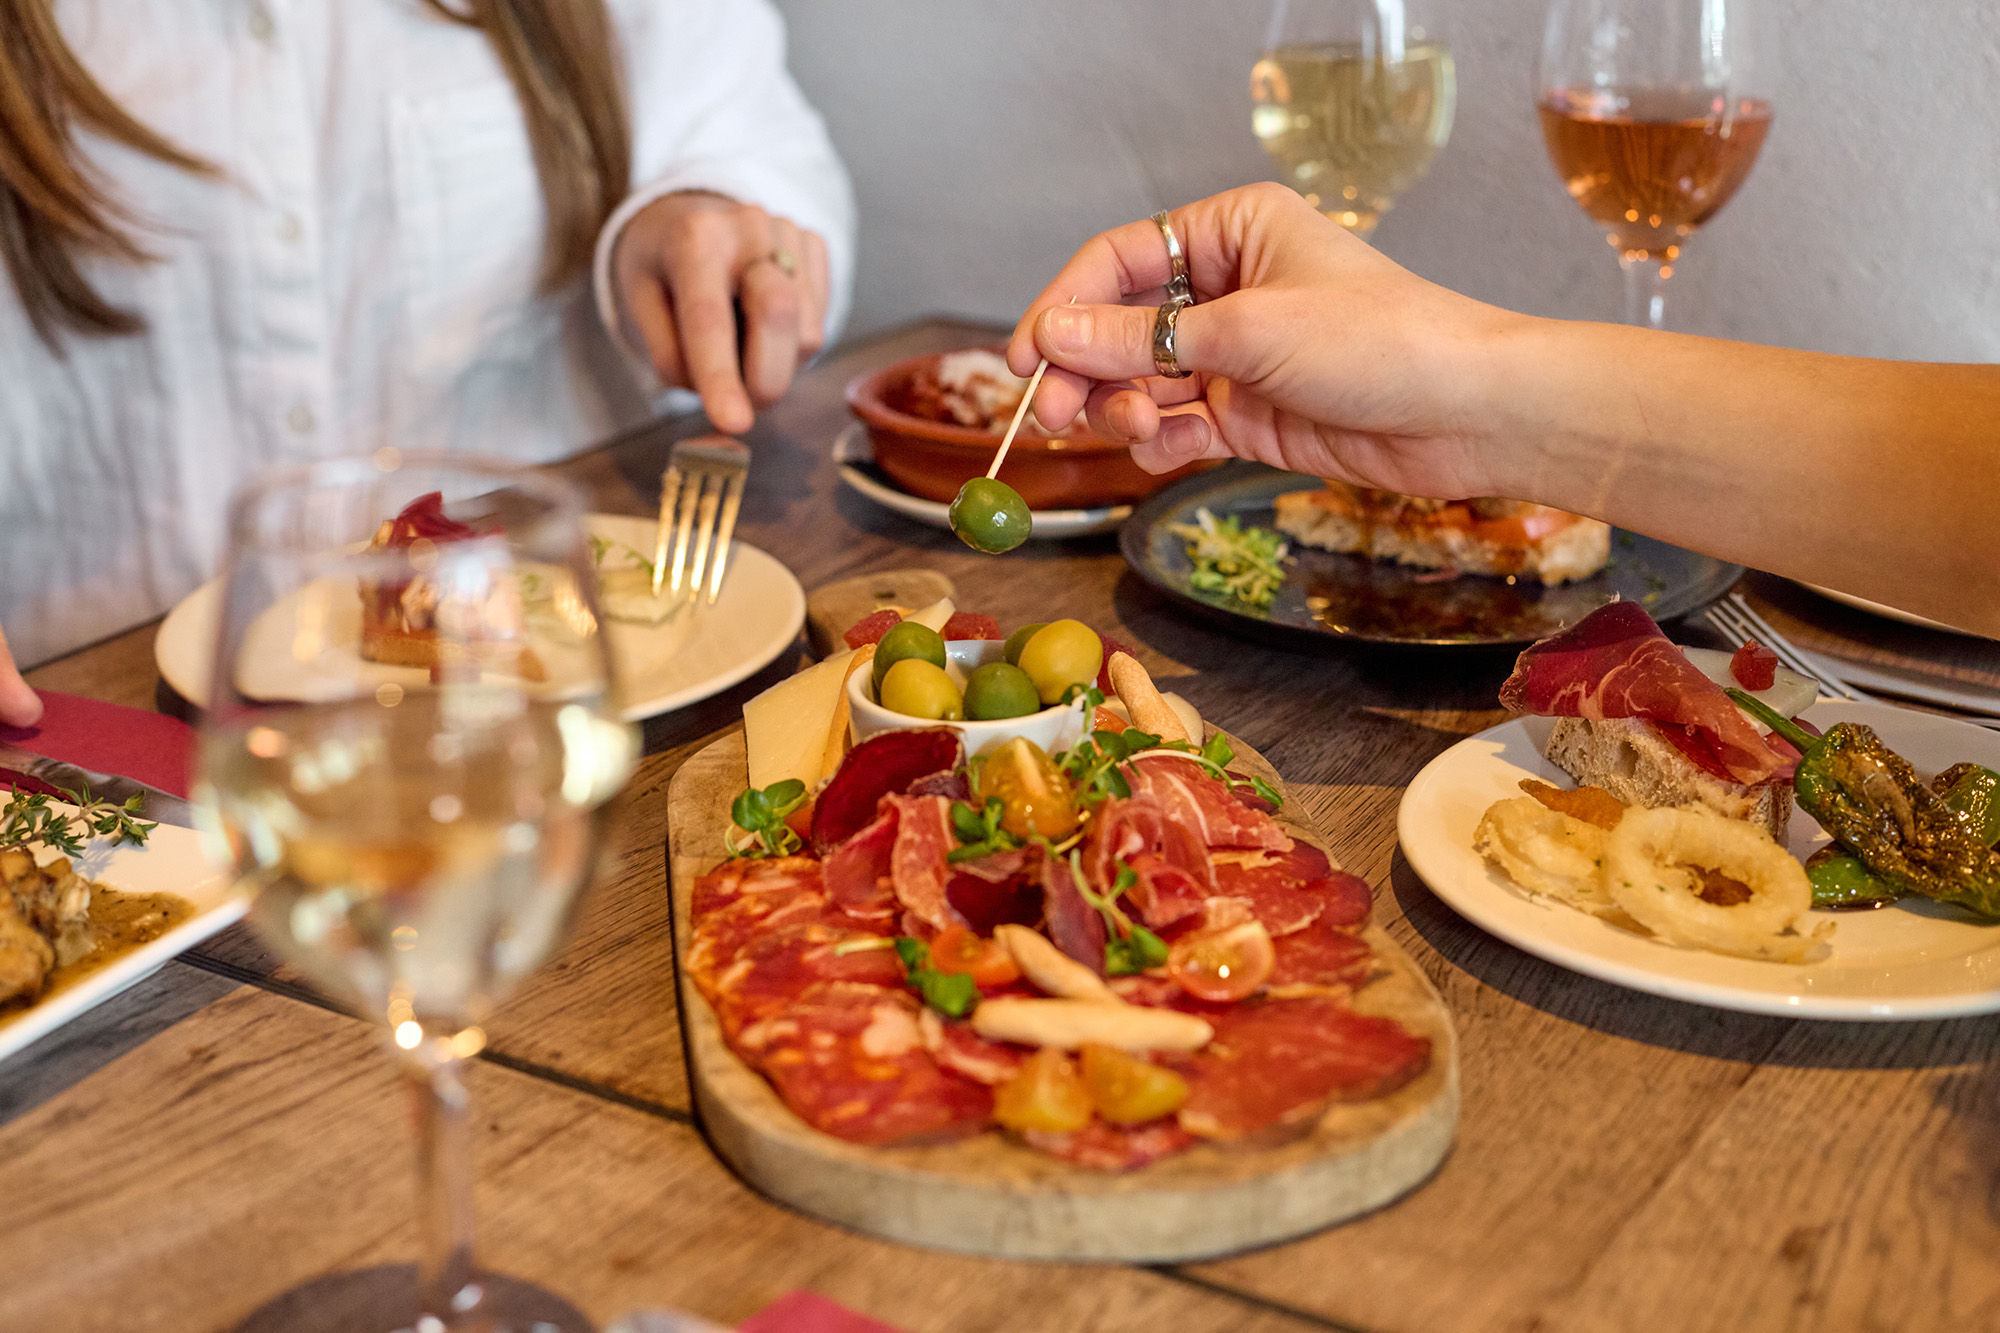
pixel 1007 440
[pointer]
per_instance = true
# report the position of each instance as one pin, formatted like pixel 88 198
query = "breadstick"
pixel 1069 1024
pixel 1050 968
pixel 1142 699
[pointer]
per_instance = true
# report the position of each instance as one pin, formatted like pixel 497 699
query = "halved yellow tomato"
pixel 1129 1091
pixel 1224 965
pixel 1046 1094
pixel 1035 798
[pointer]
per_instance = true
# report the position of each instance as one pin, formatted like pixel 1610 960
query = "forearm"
pixel 1877 477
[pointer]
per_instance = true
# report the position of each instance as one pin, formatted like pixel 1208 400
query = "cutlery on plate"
pixel 156 805
pixel 700 494
pixel 1737 621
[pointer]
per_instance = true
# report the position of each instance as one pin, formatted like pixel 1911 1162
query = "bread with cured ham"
pixel 1488 536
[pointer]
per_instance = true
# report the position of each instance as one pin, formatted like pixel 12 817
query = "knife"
pixel 155 805
pixel 1902 684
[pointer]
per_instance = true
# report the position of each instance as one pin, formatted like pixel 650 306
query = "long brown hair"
pixel 560 55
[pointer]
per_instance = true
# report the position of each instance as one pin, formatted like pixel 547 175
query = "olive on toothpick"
pixel 987 514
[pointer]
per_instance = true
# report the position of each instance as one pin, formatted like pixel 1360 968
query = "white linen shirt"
pixel 362 272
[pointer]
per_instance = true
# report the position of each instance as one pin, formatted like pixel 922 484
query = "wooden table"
pixel 217 1136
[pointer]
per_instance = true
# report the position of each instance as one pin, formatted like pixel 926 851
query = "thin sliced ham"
pixel 859 873
pixel 1199 802
pixel 917 865
pixel 1074 925
pixel 997 889
pixel 1615 662
pixel 1171 862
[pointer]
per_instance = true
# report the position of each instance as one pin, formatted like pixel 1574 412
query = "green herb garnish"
pixel 979 832
pixel 761 814
pixel 1247 564
pixel 32 817
pixel 950 993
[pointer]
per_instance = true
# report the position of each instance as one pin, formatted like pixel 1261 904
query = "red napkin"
pixel 810 1312
pixel 110 738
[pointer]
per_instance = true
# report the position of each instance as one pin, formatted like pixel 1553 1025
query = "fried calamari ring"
pixel 1545 851
pixel 1694 878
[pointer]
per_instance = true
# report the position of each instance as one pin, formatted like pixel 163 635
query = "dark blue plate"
pixel 1329 598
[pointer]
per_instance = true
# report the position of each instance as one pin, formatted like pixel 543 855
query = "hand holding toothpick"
pixel 989 515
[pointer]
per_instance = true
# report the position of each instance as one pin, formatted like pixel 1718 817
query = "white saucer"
pixel 660 668
pixel 1915 960
pixel 857 469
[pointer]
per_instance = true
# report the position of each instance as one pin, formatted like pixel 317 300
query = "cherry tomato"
pixel 1035 798
pixel 1223 965
pixel 1046 1094
pixel 1127 1090
pixel 958 949
pixel 800 821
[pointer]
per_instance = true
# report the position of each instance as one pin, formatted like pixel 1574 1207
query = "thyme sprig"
pixel 34 817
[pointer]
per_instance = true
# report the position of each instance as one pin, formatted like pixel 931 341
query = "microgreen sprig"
pixel 950 993
pixel 32 817
pixel 1215 756
pixel 979 832
pixel 1128 946
pixel 761 815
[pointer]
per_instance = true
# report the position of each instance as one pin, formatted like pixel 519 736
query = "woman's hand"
pixel 684 267
pixel 20 706
pixel 1308 350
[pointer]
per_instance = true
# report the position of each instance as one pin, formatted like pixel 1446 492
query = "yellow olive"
pixel 906 639
pixel 1019 640
pixel 916 688
pixel 1062 654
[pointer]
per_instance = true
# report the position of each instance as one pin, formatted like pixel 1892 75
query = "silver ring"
pixel 787 262
pixel 1165 320
pixel 1178 287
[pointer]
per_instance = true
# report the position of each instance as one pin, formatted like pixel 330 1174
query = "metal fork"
pixel 700 494
pixel 1738 622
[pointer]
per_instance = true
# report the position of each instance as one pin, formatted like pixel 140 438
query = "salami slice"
pixel 858 872
pixel 850 1061
pixel 1104 1147
pixel 1321 955
pixel 1273 1065
pixel 775 968
pixel 1282 902
pixel 958 1048
pixel 722 934
pixel 1349 900
pixel 742 876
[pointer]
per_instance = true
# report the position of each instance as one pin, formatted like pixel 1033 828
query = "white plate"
pixel 170 862
pixel 1884 609
pixel 857 468
pixel 660 668
pixel 1903 962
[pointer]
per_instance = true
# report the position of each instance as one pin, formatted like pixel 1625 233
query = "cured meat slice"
pixel 858 872
pixel 770 972
pixel 850 1061
pixel 1169 858
pixel 1074 925
pixel 958 1048
pixel 1304 861
pixel 735 878
pixel 1615 662
pixel 1349 900
pixel 1001 888
pixel 877 767
pixel 1197 801
pixel 722 934
pixel 1273 1064
pixel 1105 1147
pixel 1320 955
pixel 1284 904
pixel 948 783
pixel 917 867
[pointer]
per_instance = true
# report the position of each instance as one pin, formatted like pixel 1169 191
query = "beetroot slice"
pixel 873 769
pixel 870 629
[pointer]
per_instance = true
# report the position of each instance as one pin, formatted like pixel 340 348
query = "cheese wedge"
pixel 785 727
pixel 836 731
pixel 934 616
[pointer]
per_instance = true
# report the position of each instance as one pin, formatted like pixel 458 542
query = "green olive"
pixel 916 688
pixel 990 516
pixel 1062 654
pixel 906 639
pixel 998 690
pixel 1019 640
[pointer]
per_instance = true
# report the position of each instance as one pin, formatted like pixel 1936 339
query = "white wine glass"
pixel 1352 99
pixel 407 759
pixel 1653 112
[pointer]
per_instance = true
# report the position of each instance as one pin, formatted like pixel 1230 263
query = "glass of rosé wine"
pixel 1653 113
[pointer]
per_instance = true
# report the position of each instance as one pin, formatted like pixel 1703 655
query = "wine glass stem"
pixel 1645 289
pixel 445 1288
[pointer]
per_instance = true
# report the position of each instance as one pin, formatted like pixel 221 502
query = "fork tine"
pixel 1784 647
pixel 683 533
pixel 732 501
pixel 711 496
pixel 670 491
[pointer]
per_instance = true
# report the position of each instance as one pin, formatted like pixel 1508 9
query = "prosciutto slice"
pixel 1172 864
pixel 1197 801
pixel 859 873
pixel 1615 662
pixel 917 865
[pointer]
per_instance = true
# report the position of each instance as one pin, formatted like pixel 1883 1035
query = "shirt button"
pixel 290 229
pixel 261 26
pixel 300 419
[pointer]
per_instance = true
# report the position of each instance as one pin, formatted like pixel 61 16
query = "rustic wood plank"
pixel 263 1143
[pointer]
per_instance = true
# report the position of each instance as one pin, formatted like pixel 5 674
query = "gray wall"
pixel 988 140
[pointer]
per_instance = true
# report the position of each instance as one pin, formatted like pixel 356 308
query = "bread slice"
pixel 1630 759
pixel 1501 538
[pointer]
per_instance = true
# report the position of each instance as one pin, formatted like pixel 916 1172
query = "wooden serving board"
pixel 988 1195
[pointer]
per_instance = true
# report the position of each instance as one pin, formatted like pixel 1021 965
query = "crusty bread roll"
pixel 1633 762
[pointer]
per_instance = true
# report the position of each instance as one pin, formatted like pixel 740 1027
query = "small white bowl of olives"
pixel 987 690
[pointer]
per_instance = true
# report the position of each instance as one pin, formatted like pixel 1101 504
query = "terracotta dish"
pixel 932 459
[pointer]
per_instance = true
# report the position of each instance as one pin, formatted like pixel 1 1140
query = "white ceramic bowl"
pixel 1054 728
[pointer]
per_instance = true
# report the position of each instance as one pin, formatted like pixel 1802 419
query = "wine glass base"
pixel 384 1298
